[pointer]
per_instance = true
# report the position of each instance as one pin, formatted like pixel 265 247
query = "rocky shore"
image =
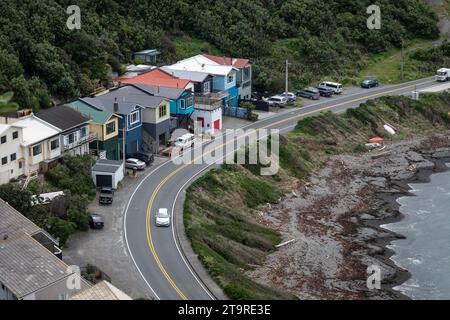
pixel 335 220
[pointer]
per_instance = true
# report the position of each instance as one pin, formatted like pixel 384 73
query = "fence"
pixel 236 112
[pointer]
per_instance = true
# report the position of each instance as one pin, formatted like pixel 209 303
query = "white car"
pixel 290 96
pixel 336 87
pixel 135 164
pixel 186 141
pixel 163 218
pixel 277 101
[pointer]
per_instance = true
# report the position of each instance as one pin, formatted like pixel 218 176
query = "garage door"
pixel 217 125
pixel 104 180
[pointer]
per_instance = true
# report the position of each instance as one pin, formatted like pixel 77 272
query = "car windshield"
pixel 106 191
pixel 163 214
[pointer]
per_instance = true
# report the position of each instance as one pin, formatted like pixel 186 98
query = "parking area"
pixel 105 248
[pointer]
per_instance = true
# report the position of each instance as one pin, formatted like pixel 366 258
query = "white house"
pixel 208 119
pixel 11 156
pixel 41 146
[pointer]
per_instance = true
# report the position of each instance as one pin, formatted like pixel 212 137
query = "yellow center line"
pixel 172 174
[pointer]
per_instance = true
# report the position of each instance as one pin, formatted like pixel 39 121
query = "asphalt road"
pixel 156 251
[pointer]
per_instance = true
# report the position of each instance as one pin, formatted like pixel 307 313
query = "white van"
pixel 336 87
pixel 186 141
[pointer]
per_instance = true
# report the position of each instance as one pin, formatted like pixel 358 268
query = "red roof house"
pixel 227 61
pixel 157 77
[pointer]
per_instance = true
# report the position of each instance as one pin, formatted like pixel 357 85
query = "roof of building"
pixel 228 61
pixel 36 130
pixel 101 291
pixel 164 92
pixel 148 52
pixel 4 127
pixel 63 117
pixel 200 63
pixel 157 77
pixel 194 76
pixel 96 115
pixel 109 166
pixel 128 98
pixel 25 265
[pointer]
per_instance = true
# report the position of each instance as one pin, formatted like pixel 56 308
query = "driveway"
pixel 105 248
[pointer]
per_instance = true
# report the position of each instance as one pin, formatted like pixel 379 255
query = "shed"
pixel 107 173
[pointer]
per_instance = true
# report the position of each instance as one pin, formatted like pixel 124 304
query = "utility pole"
pixel 402 64
pixel 287 79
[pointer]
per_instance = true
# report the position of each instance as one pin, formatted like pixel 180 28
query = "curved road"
pixel 156 251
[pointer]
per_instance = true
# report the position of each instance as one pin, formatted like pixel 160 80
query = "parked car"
pixel 369 83
pixel 106 195
pixel 162 218
pixel 277 101
pixel 290 96
pixel 96 221
pixel 135 164
pixel 146 157
pixel 336 87
pixel 325 92
pixel 309 93
pixel 185 141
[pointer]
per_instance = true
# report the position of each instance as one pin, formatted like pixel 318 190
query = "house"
pixel 128 102
pixel 74 126
pixel 223 88
pixel 11 157
pixel 105 126
pixel 40 146
pixel 30 264
pixel 208 104
pixel 158 77
pixel 243 75
pixel 147 56
pixel 181 102
pixel 107 173
pixel 101 291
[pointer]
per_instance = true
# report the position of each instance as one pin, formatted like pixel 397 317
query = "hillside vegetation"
pixel 221 209
pixel 41 58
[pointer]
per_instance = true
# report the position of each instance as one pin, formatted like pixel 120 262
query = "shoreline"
pixel 337 217
pixel 423 175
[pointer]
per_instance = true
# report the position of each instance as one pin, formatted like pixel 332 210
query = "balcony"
pixel 88 139
pixel 210 101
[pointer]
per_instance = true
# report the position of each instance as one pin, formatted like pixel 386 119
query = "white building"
pixel 11 156
pixel 41 146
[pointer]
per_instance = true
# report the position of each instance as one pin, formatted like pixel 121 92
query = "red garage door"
pixel 217 125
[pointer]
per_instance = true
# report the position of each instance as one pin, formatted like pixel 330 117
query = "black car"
pixel 369 83
pixel 96 221
pixel 106 196
pixel 310 93
pixel 146 157
pixel 325 92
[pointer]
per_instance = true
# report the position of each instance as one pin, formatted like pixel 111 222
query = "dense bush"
pixel 39 55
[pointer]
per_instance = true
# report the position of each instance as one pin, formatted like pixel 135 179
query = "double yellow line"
pixel 164 181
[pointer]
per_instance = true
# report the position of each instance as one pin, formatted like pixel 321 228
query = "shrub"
pixel 60 229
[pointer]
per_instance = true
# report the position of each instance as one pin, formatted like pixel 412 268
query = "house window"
pixel 4 160
pixel 190 102
pixel 110 128
pixel 3 139
pixel 230 78
pixel 206 87
pixel 13 157
pixel 15 135
pixel 83 132
pixel 134 118
pixel 183 104
pixel 162 111
pixel 54 144
pixel 37 150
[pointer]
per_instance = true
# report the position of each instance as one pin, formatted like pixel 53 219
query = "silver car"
pixel 135 164
pixel 162 218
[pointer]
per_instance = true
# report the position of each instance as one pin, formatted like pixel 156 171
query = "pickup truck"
pixel 106 196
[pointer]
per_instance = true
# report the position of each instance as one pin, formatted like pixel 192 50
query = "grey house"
pixel 156 124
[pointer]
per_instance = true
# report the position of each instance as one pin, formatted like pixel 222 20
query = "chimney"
pixel 116 105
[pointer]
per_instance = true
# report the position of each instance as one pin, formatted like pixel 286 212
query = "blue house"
pixel 182 104
pixel 128 102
